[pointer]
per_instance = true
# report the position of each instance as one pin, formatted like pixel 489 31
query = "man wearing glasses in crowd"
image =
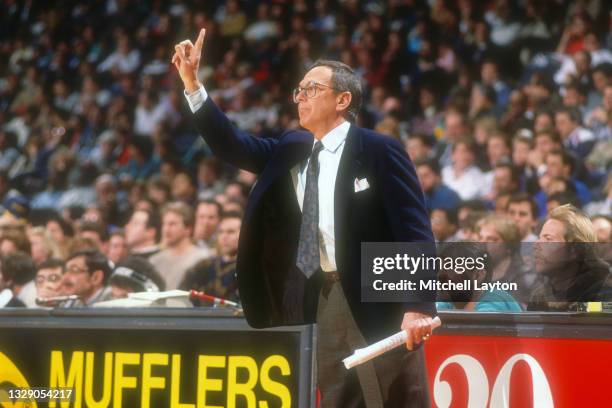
pixel 86 275
pixel 49 278
pixel 319 195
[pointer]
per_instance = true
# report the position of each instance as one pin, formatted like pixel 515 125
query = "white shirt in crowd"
pixel 471 184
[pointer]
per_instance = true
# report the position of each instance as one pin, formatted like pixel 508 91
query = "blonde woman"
pixel 42 247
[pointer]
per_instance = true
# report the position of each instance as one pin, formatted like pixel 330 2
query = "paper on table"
pixel 362 355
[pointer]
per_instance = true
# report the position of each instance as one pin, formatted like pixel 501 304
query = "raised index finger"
pixel 200 41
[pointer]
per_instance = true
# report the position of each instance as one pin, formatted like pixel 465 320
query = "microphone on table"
pixel 217 301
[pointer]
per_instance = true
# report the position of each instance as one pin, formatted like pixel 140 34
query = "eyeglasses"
pixel 75 270
pixel 40 279
pixel 310 90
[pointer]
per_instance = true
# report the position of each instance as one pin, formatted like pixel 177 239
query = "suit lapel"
pixel 294 148
pixel 349 168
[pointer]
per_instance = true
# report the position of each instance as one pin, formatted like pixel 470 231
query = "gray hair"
pixel 344 79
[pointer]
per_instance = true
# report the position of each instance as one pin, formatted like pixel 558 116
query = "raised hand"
pixel 186 59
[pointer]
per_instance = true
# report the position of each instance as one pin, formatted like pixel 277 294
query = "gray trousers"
pixel 397 378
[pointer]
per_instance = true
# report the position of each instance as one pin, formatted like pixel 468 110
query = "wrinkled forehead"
pixel 321 75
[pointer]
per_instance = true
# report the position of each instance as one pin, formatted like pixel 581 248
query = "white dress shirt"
pixel 329 160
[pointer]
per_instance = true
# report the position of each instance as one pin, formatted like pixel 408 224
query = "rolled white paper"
pixel 362 355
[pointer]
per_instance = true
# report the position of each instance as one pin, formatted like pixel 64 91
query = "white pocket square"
pixel 361 185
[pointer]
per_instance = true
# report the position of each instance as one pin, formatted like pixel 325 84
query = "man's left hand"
pixel 418 326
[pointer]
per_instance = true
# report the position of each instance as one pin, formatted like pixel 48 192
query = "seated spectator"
pixel 61 163
pixel 568 264
pixel 124 60
pixel 522 145
pixel 42 246
pixel 456 127
pixel 463 176
pixel 237 191
pixel 483 129
pixel 158 191
pixel 575 98
pixel 482 102
pixel 472 299
pixel 49 278
pixel 500 204
pixel 142 163
pixel 489 75
pixel 574 137
pixel 14 240
pixel 419 146
pixel 96 233
pixel 61 232
pixel 498 149
pixel 217 276
pixel 17 287
pixel 183 188
pixel 142 233
pixel 179 252
pixel 150 112
pixel 544 120
pixel 523 210
pixel 134 274
pixel 444 224
pixel 560 165
pixel 502 236
pixel 545 141
pixel 437 195
pixel 468 226
pixel 208 217
pixel 209 177
pixel 86 276
pixel 117 247
pixel 516 116
pixel 429 115
pixel 506 180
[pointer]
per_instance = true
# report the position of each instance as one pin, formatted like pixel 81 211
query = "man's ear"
pixel 343 101
pixel 97 278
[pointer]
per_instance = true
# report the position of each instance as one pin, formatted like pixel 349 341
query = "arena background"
pixel 504 107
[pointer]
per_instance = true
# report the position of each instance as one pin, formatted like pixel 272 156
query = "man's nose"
pixel 301 96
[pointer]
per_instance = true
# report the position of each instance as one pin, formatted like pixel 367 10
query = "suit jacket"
pixel 273 291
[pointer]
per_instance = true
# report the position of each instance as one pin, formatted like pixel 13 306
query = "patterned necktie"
pixel 308 259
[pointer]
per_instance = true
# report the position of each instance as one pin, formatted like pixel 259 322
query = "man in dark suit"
pixel 321 193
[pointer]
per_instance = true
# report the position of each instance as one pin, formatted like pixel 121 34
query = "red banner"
pixel 491 371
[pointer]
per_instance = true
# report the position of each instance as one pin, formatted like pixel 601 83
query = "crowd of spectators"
pixel 505 108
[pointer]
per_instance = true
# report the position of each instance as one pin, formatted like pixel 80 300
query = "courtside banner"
pixel 517 371
pixel 156 367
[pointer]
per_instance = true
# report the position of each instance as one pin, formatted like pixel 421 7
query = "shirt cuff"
pixel 196 99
